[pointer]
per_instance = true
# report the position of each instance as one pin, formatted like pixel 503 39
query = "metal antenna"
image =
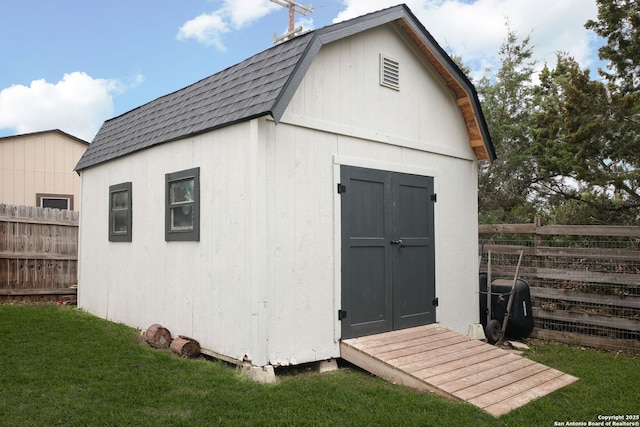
pixel 293 8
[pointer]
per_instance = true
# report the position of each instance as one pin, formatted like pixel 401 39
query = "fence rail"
pixel 38 253
pixel 585 280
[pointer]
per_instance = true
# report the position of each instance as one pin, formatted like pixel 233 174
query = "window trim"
pixel 127 236
pixel 182 235
pixel 68 197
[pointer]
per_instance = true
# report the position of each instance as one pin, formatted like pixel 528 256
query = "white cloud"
pixel 475 29
pixel 243 12
pixel 77 104
pixel 208 28
pixel 306 23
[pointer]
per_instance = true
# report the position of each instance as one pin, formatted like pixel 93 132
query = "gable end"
pixel 459 84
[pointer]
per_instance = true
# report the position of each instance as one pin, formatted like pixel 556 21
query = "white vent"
pixel 389 72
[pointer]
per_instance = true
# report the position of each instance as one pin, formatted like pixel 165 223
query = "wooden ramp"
pixel 452 365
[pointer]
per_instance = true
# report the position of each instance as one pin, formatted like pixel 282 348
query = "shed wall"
pixel 341 115
pixel 303 273
pixel 201 289
pixel 301 258
pixel 264 280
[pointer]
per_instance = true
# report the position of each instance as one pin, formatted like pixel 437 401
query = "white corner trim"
pixel 337 258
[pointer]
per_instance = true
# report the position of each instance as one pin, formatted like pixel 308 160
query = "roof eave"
pixel 290 87
pixel 58 131
pixel 82 166
pixel 464 91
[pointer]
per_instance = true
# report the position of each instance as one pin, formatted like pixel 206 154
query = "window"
pixel 182 210
pixel 120 212
pixel 55 201
pixel 389 72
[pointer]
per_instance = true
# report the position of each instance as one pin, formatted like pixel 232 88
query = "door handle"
pixel 397 242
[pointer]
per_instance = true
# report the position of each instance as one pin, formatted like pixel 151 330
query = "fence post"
pixel 537 242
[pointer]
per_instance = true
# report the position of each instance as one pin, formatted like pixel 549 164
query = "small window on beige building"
pixel 55 201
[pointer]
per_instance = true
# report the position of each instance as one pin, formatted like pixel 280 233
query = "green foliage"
pixel 506 187
pixel 582 402
pixel 619 24
pixel 586 208
pixel 61 366
pixel 589 131
pixel 568 145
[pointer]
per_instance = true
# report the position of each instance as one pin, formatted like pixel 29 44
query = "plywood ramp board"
pixel 433 358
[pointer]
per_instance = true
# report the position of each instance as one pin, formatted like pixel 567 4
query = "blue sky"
pixel 71 64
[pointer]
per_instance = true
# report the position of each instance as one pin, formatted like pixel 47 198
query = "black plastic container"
pixel 520 323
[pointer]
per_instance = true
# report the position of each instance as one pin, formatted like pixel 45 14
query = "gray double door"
pixel 388 257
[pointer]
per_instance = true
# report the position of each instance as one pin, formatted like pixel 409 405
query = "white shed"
pixel 289 201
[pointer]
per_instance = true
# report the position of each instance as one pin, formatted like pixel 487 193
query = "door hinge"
pixel 342 314
pixel 435 302
pixel 342 188
pixel 434 198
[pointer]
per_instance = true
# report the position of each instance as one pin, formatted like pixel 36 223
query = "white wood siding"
pixel 301 255
pixel 264 280
pixel 201 289
pixel 341 115
pixel 304 226
pixel 341 92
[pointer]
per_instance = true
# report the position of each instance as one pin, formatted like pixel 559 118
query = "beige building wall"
pixel 40 164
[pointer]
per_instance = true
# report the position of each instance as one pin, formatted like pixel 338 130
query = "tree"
pixel 506 187
pixel 568 147
pixel 569 131
pixel 587 132
pixel 619 23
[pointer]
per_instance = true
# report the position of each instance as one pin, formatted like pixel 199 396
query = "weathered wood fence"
pixel 585 280
pixel 38 253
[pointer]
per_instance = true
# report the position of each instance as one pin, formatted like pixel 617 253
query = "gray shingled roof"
pixel 244 91
pixel 260 85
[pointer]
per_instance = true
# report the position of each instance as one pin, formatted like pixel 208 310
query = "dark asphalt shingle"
pixel 246 90
pixel 258 86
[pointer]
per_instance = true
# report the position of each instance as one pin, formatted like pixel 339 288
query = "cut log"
pixel 185 346
pixel 157 336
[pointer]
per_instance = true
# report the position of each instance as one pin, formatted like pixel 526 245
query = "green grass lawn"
pixel 61 366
